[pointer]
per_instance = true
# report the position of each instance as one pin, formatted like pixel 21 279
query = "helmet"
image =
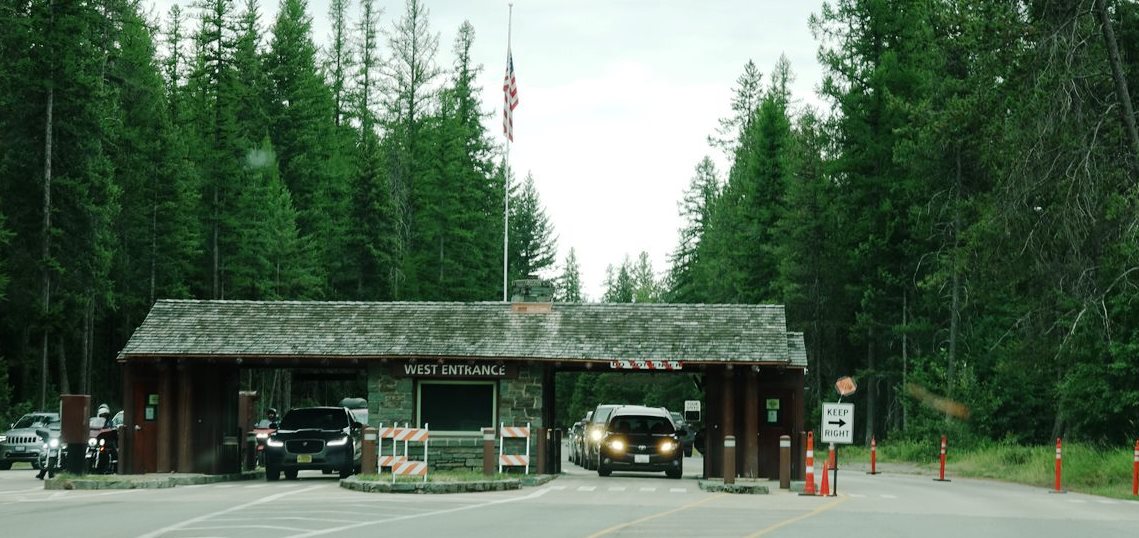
pixel 104 409
pixel 272 411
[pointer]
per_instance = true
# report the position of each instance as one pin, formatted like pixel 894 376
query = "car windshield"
pixel 315 418
pixel 97 423
pixel 641 425
pixel 601 414
pixel 31 421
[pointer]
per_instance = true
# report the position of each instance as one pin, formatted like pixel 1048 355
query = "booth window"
pixel 456 406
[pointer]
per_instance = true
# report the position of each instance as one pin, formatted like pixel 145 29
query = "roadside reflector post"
pixel 784 462
pixel 729 459
pixel 1135 472
pixel 873 456
pixel 809 466
pixel 488 460
pixel 1058 466
pixel 941 474
pixel 368 454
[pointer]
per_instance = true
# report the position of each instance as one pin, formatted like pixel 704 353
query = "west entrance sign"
pixel 838 423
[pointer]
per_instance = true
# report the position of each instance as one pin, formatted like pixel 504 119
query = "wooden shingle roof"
pixel 490 330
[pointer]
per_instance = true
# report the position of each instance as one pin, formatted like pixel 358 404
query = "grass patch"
pixel 440 477
pixel 1086 468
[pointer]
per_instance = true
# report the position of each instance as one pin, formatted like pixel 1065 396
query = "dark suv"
pixel 641 439
pixel 594 431
pixel 324 438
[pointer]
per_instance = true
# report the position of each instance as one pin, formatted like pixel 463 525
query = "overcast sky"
pixel 616 99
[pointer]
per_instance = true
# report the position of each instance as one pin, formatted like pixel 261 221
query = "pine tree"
pixel 695 208
pixel 569 283
pixel 532 243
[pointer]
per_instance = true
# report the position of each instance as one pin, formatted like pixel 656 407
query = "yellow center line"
pixel 795 519
pixel 616 528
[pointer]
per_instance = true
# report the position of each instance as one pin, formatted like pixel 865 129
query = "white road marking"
pixel 224 486
pixel 678 490
pixel 251 486
pixel 857 495
pixel 227 527
pixel 648 489
pixel 586 488
pixel 617 488
pixel 263 500
pixel 335 530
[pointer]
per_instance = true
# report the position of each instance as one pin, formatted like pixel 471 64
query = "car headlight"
pixel 91 442
pixel 617 445
pixel 595 434
pixel 53 443
pixel 262 435
pixel 275 443
pixel 339 442
pixel 3 438
pixel 666 447
pixel 102 442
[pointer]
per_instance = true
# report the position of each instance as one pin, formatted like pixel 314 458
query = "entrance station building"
pixel 455 367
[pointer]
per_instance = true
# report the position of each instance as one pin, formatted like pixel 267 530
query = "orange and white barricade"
pixel 399 463
pixel 513 460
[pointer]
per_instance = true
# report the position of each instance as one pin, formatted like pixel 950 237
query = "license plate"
pixel 640 458
pixel 19 449
pixel 304 458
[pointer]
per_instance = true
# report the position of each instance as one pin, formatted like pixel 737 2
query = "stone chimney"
pixel 532 296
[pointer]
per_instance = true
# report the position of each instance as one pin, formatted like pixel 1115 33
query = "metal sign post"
pixel 837 428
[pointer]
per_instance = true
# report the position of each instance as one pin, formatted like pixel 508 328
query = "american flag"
pixel 510 98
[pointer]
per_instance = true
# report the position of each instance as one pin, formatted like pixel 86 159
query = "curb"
pixel 148 481
pixel 376 486
pixel 744 488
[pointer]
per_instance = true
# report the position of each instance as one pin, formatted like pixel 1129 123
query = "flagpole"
pixel 506 189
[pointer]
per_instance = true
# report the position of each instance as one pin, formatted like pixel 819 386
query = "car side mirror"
pixel 357 425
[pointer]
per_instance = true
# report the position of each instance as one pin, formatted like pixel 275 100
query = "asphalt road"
pixel 578 504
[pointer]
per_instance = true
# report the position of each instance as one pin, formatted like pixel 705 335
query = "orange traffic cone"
pixel 825 488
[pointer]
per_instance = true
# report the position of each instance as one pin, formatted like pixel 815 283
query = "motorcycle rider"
pixel 271 415
pixel 105 414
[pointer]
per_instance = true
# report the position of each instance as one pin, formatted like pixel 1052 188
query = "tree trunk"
pixel 46 240
pixel 1122 94
pixel 85 356
pixel 955 308
pixel 64 379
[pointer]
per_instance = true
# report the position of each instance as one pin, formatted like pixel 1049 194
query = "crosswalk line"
pixel 586 488
pixel 648 489
pixel 617 488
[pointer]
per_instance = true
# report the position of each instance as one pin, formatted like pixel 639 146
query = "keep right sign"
pixel 838 423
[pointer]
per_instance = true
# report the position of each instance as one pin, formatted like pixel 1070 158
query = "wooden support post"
pixel 165 425
pixel 751 446
pixel 185 438
pixel 728 408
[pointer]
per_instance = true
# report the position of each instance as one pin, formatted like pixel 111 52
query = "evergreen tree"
pixel 646 289
pixel 695 208
pixel 569 283
pixel 532 243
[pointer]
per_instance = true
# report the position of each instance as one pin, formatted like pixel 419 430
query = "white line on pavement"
pixel 617 488
pixel 648 489
pixel 586 488
pixel 857 495
pixel 263 500
pixel 335 530
pixel 255 486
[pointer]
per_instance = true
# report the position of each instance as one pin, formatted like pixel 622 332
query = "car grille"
pixel 306 446
pixel 23 439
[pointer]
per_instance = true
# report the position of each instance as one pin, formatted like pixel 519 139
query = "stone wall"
pixel 392 400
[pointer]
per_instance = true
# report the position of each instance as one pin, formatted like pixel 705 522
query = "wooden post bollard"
pixel 729 459
pixel 488 463
pixel 368 458
pixel 784 462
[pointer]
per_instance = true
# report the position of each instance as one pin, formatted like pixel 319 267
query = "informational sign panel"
pixel 838 423
pixel 692 410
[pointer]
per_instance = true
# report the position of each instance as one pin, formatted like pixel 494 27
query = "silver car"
pixel 22 443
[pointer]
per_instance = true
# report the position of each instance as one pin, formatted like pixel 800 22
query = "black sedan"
pixel 321 438
pixel 641 439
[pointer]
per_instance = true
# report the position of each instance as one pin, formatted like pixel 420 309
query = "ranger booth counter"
pixel 456 368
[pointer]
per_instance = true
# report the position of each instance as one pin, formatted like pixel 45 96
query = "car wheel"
pixel 604 471
pixel 290 474
pixel 272 474
pixel 5 465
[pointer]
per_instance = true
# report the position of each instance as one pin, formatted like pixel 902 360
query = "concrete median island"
pixel 441 483
pixel 145 481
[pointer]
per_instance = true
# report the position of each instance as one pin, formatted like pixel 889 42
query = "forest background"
pixel 957 228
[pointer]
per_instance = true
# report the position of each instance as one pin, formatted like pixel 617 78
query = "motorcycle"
pixel 102 447
pixel 261 431
pixel 52 456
